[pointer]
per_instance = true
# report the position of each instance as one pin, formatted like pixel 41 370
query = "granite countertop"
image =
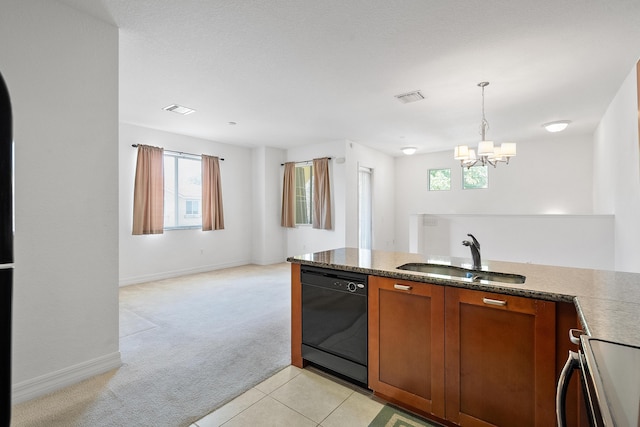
pixel 608 302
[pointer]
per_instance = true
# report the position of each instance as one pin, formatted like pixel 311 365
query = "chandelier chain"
pixel 484 124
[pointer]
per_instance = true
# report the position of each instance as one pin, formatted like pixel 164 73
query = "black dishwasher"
pixel 334 321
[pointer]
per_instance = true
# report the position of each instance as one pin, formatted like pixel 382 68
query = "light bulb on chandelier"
pixel 487 153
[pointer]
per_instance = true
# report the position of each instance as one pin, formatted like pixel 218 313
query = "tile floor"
pixel 298 398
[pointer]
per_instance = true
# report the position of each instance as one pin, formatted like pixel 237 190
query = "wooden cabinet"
pixel 470 357
pixel 500 359
pixel 406 343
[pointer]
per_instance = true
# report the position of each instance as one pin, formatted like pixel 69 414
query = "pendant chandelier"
pixel 487 152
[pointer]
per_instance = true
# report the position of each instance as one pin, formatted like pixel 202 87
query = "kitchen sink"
pixel 459 272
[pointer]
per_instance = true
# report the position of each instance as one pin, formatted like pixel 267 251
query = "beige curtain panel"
pixel 148 191
pixel 288 217
pixel 321 194
pixel 212 211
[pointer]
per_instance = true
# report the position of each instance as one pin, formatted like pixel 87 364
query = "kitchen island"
pixel 552 300
pixel 607 302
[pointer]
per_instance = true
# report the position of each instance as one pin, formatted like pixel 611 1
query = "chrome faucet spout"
pixel 475 242
pixel 474 245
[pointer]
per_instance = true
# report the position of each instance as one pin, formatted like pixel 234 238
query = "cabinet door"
pixel 500 359
pixel 406 343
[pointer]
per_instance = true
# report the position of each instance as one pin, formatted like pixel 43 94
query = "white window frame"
pixel 176 157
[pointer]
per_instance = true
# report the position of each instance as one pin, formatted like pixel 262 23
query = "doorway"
pixel 365 222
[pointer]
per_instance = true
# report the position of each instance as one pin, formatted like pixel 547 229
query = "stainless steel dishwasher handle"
pixel 402 287
pixel 497 302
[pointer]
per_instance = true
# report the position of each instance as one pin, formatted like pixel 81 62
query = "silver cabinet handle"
pixel 494 302
pixel 402 287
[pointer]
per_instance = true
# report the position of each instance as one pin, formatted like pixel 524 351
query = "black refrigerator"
pixel 6 250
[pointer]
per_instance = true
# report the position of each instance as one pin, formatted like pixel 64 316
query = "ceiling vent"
pixel 179 109
pixel 408 97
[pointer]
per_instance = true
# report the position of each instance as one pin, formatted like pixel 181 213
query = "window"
pixel 182 191
pixel 475 177
pixel 304 186
pixel 439 179
pixel 193 207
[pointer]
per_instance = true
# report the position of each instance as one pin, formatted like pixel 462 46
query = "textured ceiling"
pixel 298 72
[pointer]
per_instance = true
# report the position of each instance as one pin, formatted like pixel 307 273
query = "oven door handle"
pixel 573 363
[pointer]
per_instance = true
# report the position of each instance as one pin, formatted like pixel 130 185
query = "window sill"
pixel 186 227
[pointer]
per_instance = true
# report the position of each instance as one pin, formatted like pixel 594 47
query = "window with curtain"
pixel 306 194
pixel 297 196
pixel 176 191
pixel 288 213
pixel 212 210
pixel 148 191
pixel 321 194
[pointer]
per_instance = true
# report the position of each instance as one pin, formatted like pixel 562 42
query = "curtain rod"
pixel 307 161
pixel 176 152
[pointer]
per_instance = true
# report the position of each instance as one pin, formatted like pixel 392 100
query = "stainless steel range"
pixel 610 377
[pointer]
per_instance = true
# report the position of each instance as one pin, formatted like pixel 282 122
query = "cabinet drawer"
pixel 500 301
pixel 404 286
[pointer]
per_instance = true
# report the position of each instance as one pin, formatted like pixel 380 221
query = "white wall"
pixel 383 189
pixel 252 201
pixel 550 176
pixel 268 242
pixel 616 172
pixel 582 241
pixel 344 191
pixel 179 252
pixel 61 67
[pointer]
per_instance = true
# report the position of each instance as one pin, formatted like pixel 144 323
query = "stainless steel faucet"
pixel 475 251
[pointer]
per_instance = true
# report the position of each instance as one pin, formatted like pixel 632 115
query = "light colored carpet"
pixel 188 345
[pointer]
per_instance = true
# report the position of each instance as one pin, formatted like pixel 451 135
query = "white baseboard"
pixel 35 387
pixel 176 273
pixel 126 281
pixel 269 261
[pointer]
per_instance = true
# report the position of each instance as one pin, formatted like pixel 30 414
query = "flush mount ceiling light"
pixel 408 150
pixel 557 126
pixel 487 153
pixel 179 109
pixel 408 97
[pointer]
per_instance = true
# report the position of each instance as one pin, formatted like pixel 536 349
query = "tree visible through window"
pixel 304 185
pixel 439 179
pixel 475 177
pixel 182 191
